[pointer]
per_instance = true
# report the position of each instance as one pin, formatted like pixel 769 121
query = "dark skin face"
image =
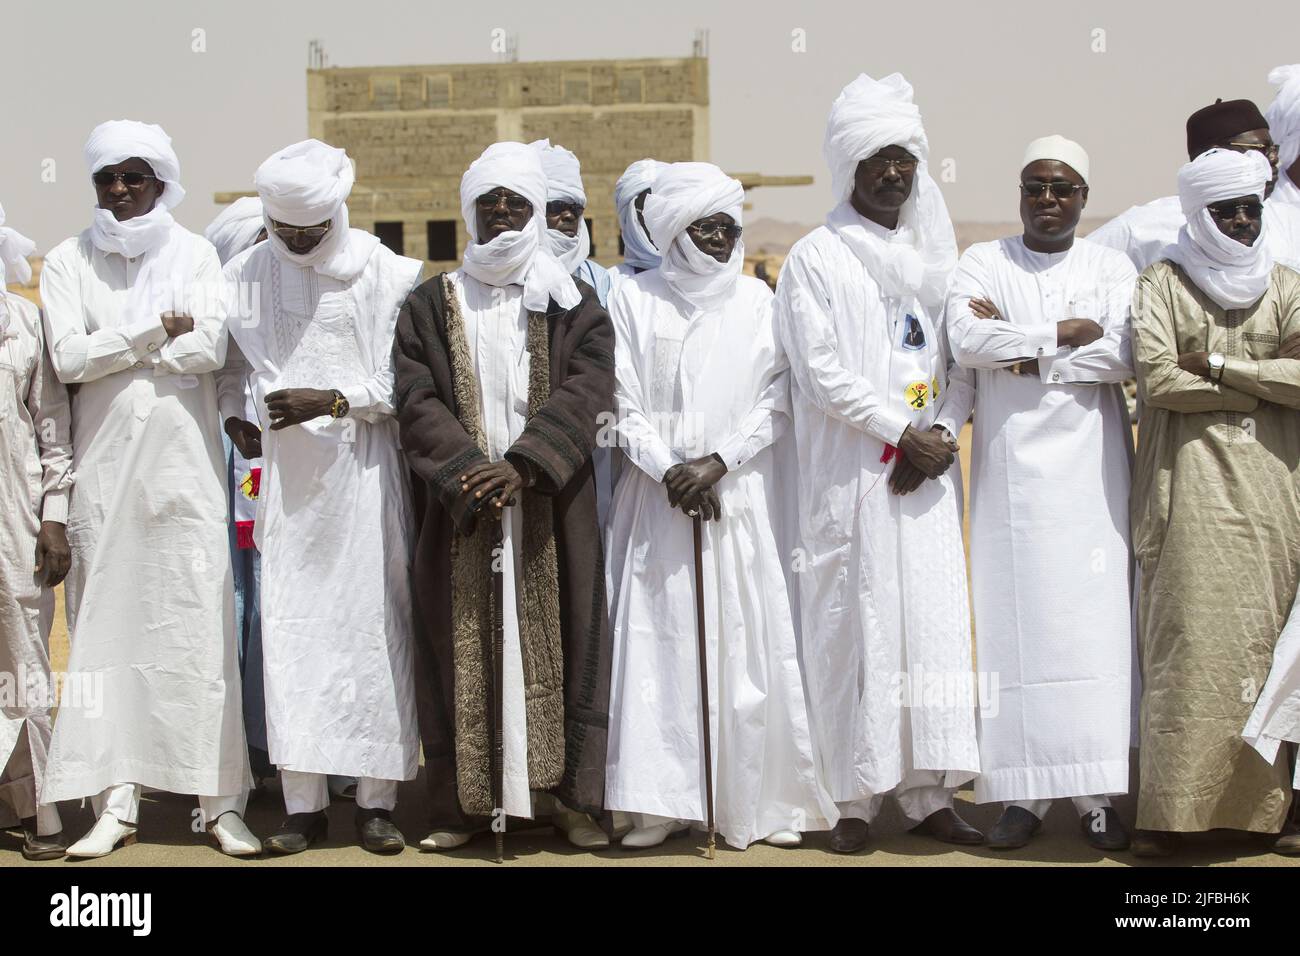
pixel 1050 221
pixel 297 242
pixel 1258 137
pixel 1237 219
pixel 566 221
pixel 880 187
pixel 126 202
pixel 721 244
pixel 492 222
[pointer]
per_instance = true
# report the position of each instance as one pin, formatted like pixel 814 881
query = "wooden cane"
pixel 498 691
pixel 704 680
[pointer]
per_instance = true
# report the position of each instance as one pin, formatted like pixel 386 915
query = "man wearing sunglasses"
pixel 1215 513
pixel 878 404
pixel 1144 232
pixel 135 318
pixel 1043 319
pixel 504 368
pixel 317 305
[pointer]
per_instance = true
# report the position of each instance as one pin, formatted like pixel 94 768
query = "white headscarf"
pixel 1283 114
pixel 304 185
pixel 683 193
pixel 14 267
pixel 564 182
pixel 867 116
pixel 638 251
pixel 119 140
pixel 515 258
pixel 236 227
pixel 1232 274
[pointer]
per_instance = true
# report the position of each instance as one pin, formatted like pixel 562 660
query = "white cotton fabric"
pixel 515 258
pixel 304 185
pixel 690 384
pixel 236 227
pixel 1232 274
pixel 332 523
pixel 564 182
pixel 684 193
pixel 1276 717
pixel 1283 115
pixel 1051 459
pixel 14 250
pixel 867 116
pixel 150 597
pixel 1059 148
pixel 639 251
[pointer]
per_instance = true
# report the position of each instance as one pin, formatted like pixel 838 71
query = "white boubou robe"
pixel 332 519
pixel 1050 560
pixel 150 598
pixel 36 452
pixel 691 383
pixel 885 620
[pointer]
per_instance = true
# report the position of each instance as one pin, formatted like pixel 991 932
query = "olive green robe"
pixel 1216 534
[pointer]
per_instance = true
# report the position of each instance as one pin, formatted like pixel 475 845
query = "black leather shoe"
pixel 1014 829
pixel 849 835
pixel 944 825
pixel 378 833
pixel 1154 843
pixel 1103 829
pixel 51 847
pixel 297 832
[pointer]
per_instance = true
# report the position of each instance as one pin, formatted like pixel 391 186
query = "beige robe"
pixel 1216 533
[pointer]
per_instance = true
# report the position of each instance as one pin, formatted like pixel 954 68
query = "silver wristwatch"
pixel 1216 361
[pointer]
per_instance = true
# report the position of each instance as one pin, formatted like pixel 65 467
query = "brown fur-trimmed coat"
pixel 564 626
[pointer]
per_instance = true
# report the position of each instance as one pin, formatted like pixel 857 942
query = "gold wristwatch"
pixel 340 407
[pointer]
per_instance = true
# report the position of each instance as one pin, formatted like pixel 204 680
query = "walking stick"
pixel 704 679
pixel 498 695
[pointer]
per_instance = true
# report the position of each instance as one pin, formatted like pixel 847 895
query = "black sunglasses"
pixel 560 206
pixel 1228 210
pixel 129 180
pixel 1059 187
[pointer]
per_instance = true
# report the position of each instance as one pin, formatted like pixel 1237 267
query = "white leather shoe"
pixel 442 840
pixel 783 838
pixel 579 828
pixel 642 838
pixel 233 836
pixel 103 838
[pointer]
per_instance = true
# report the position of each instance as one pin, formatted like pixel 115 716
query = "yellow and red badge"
pixel 917 395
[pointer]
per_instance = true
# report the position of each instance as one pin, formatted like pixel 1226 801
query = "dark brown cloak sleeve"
pixel 556 447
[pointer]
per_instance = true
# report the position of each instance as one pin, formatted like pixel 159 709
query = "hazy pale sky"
pixel 988 79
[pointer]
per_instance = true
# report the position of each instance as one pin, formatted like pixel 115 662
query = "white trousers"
pixel 1082 805
pixel 123 801
pixel 310 792
pixel 920 794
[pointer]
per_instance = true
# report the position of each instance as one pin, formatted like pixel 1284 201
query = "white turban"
pixel 1060 149
pixel 304 185
pixel 638 250
pixel 119 140
pixel 236 227
pixel 684 193
pixel 564 183
pixel 1232 274
pixel 867 116
pixel 1283 114
pixel 14 250
pixel 514 258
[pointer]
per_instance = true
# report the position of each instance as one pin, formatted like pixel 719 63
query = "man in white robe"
pixel 702 394
pixel 886 641
pixel 1283 116
pixel 332 513
pixel 1043 318
pixel 630 192
pixel 36 448
pixel 135 317
pixel 1143 233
